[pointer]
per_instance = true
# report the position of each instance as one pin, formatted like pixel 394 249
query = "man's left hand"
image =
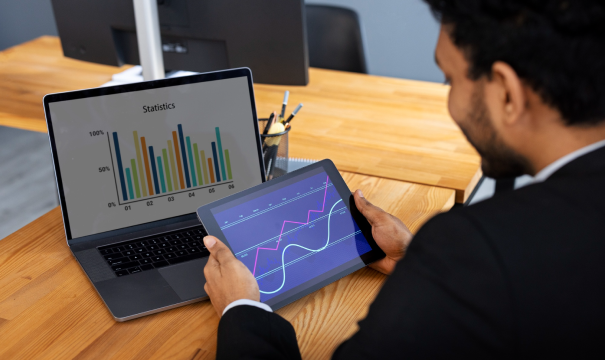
pixel 227 278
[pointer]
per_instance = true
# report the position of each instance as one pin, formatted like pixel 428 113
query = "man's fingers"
pixel 367 209
pixel 217 249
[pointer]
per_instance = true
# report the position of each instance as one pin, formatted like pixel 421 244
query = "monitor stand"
pixel 135 74
pixel 150 51
pixel 148 38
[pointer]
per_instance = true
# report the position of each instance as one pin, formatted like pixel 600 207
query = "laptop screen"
pixel 135 157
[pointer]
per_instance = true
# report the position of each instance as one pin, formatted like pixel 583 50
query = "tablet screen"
pixel 293 235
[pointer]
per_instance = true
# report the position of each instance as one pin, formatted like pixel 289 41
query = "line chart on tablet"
pixel 293 235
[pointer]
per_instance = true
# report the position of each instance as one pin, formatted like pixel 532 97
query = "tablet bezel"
pixel 205 215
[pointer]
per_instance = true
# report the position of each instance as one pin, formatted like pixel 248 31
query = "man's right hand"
pixel 389 232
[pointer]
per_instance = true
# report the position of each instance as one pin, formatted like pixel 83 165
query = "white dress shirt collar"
pixel 556 165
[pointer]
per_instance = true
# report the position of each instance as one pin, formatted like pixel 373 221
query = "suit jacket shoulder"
pixel 449 295
pixel 518 275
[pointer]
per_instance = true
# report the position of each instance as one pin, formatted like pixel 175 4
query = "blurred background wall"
pixel 23 20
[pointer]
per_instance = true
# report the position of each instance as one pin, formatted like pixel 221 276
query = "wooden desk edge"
pixel 23 123
pixel 462 196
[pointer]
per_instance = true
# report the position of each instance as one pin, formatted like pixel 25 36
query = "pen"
pixel 269 122
pixel 283 106
pixel 293 113
pixel 270 148
pixel 268 140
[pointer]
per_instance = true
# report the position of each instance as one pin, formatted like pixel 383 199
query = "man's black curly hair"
pixel 557 47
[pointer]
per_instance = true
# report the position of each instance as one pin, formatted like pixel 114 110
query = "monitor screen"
pixel 135 157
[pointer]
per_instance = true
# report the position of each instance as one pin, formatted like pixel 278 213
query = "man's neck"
pixel 555 143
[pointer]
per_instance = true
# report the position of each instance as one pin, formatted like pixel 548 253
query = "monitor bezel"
pixel 141 86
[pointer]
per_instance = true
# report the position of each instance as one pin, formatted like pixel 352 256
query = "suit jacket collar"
pixel 591 163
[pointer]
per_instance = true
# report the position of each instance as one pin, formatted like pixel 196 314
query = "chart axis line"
pixel 176 192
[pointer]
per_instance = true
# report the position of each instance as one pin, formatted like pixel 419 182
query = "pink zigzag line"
pixel 293 222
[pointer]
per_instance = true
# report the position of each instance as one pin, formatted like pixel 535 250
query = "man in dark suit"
pixel 520 275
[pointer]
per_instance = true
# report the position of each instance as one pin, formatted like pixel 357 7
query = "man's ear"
pixel 508 90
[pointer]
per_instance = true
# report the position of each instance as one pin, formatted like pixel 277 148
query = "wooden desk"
pixel 385 127
pixel 49 309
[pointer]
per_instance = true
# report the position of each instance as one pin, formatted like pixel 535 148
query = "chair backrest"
pixel 334 39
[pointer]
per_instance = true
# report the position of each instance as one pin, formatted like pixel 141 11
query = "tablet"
pixel 296 233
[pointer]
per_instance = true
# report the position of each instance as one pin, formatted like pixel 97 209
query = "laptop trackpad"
pixel 187 279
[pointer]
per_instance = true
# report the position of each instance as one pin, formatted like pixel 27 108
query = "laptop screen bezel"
pixel 141 86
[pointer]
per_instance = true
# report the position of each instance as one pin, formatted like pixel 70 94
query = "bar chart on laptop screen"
pixel 142 156
pixel 178 165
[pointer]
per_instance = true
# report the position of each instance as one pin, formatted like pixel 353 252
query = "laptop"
pixel 132 165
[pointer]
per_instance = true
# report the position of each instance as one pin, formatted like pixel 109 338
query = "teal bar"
pixel 161 174
pixel 128 178
pixel 191 166
pixel 220 152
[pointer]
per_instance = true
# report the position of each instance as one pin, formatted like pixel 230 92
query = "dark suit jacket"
pixel 521 275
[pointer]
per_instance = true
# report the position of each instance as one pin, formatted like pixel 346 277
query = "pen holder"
pixel 275 151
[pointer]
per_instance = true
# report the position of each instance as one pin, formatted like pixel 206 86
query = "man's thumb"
pixel 217 249
pixel 367 209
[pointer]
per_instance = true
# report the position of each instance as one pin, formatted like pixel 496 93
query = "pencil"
pixel 283 106
pixel 269 123
pixel 294 113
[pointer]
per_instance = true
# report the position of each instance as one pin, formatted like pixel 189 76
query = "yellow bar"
pixel 205 168
pixel 172 168
pixel 139 162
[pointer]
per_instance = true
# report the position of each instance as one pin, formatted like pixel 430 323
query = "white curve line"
pixel 307 255
pixel 302 247
pixel 274 239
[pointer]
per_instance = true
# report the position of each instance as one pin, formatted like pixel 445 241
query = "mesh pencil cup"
pixel 275 151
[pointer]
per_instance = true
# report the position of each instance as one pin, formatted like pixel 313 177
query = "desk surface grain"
pixel 49 310
pixel 390 128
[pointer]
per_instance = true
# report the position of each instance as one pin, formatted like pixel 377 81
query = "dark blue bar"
pixel 184 156
pixel 116 144
pixel 218 170
pixel 153 170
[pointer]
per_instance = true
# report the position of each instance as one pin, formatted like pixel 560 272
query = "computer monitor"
pixel 268 36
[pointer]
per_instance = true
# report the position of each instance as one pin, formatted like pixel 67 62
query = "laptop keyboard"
pixel 131 257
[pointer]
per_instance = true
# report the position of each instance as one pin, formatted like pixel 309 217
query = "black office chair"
pixel 334 39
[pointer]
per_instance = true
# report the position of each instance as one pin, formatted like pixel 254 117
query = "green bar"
pixel 220 152
pixel 130 192
pixel 161 174
pixel 197 162
pixel 191 161
pixel 133 165
pixel 165 155
pixel 228 163
pixel 204 167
